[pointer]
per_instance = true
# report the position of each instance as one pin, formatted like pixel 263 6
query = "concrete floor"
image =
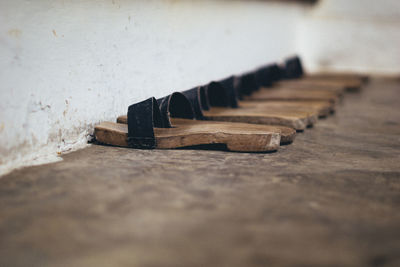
pixel 330 199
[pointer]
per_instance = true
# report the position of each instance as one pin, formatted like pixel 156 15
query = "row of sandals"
pixel 254 112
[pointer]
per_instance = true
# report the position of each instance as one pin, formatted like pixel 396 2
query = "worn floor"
pixel 330 199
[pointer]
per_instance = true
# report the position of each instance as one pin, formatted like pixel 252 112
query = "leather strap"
pixel 247 84
pixel 217 96
pixel 293 68
pixel 277 73
pixel 230 87
pixel 195 99
pixel 142 118
pixel 176 105
pixel 205 105
pixel 264 76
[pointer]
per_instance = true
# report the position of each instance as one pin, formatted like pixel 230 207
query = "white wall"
pixel 352 35
pixel 67 65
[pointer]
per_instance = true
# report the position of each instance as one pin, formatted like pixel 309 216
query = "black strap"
pixel 231 90
pixel 142 118
pixel 264 76
pixel 205 105
pixel 247 84
pixel 277 72
pixel 176 105
pixel 217 96
pixel 194 96
pixel 293 68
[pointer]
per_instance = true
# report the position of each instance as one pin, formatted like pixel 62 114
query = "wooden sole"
pixel 285 107
pixel 323 108
pixel 307 85
pixel 287 134
pixel 260 115
pixel 292 95
pixel 185 133
pixel 344 83
pixel 335 75
pixel 343 77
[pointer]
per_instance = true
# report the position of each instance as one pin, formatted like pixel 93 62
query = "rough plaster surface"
pixel 67 65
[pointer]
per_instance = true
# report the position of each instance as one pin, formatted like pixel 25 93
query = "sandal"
pixel 250 88
pixel 348 81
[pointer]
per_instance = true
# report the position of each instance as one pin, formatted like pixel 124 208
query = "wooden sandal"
pixel 263 78
pixel 247 84
pixel 287 94
pixel 310 85
pixel 172 125
pixel 350 82
pixel 250 88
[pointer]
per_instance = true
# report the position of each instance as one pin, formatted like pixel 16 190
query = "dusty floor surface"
pixel 330 199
